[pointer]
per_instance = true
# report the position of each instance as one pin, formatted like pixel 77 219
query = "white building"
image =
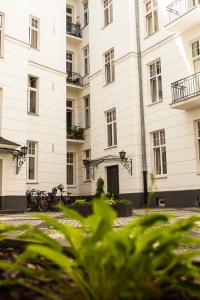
pixel 32 97
pixel 132 84
pixel 107 54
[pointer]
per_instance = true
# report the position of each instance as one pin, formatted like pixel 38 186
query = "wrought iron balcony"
pixel 75 133
pixel 74 79
pixel 183 15
pixel 74 30
pixel 186 92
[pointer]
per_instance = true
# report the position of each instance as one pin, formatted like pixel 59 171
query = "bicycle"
pixel 37 200
pixel 55 200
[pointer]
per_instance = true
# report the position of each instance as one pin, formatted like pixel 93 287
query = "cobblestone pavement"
pixel 28 218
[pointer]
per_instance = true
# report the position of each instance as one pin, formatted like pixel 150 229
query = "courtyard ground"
pixel 28 218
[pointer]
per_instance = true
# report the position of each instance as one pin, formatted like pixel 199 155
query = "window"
pixel 86 60
pixel 1 34
pixel 32 161
pixel 32 95
pixel 196 55
pixel 87 168
pixel 109 66
pixel 87 111
pixel 70 168
pixel 151 17
pixel 198 140
pixel 34 33
pixel 111 128
pixel 86 13
pixel 69 62
pixel 69 18
pixel 156 81
pixel 108 12
pixel 69 113
pixel 159 152
pixel 193 3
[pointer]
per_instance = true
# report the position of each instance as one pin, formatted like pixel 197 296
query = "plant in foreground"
pixel 139 261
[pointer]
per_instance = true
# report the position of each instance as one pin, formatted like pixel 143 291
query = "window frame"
pixel 107 8
pixel 87 167
pixel 151 12
pixel 155 78
pixel 196 57
pixel 73 164
pixel 197 142
pixel 2 34
pixel 37 30
pixel 35 162
pixel 72 110
pixel 159 143
pixel 87 112
pixel 86 60
pixel 109 64
pixel 70 61
pixel 85 13
pixel 36 90
pixel 111 122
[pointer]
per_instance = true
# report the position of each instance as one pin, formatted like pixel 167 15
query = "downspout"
pixel 142 119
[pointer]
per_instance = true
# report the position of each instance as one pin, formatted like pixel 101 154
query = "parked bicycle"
pixel 37 200
pixel 58 199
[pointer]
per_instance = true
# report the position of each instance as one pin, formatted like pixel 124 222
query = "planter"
pixel 84 210
pixel 122 210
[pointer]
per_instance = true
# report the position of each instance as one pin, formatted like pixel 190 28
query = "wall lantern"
pixel 20 157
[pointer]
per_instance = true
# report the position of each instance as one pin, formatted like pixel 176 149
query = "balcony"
pixel 74 80
pixel 75 134
pixel 186 93
pixel 183 15
pixel 74 32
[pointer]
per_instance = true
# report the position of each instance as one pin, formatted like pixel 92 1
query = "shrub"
pixel 81 202
pixel 121 201
pixel 100 187
pixel 140 261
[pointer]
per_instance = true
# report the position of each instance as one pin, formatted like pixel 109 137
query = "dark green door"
pixel 113 181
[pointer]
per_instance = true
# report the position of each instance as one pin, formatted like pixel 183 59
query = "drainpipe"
pixel 142 120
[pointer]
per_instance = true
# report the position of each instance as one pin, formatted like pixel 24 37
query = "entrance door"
pixel 113 181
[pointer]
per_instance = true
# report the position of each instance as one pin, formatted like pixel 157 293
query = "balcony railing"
pixel 74 30
pixel 74 78
pixel 186 88
pixel 75 133
pixel 179 8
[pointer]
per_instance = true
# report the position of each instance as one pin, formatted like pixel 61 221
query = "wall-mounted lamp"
pixel 20 157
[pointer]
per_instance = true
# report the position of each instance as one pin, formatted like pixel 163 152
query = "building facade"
pixel 32 98
pixel 100 88
pixel 134 67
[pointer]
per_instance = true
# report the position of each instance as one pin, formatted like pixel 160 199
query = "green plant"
pixel 121 201
pixel 100 187
pixel 81 202
pixel 140 261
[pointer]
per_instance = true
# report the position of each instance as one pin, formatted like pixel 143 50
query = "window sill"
pixel 32 182
pixel 85 26
pixel 32 114
pixel 72 186
pixel 112 147
pixel 148 36
pixel 198 173
pixel 86 128
pixel 153 103
pixel 105 26
pixel 87 181
pixel 107 84
pixel 160 176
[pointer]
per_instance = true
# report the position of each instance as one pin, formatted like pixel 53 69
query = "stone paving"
pixel 28 218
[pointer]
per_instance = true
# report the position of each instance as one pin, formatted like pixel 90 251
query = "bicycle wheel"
pixel 43 203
